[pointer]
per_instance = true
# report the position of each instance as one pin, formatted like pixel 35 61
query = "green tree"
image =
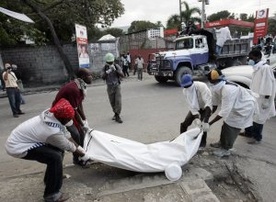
pixel 187 14
pixel 220 15
pixel 140 25
pixel 117 32
pixel 272 25
pixel 55 19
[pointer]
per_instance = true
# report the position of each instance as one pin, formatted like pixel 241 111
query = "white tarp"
pixel 135 156
pixel 18 16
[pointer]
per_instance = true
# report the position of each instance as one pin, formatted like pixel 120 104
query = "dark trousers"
pixel 52 157
pixel 255 131
pixel 125 70
pixel 78 137
pixel 115 98
pixel 188 121
pixel 14 99
pixel 228 136
pixel 140 73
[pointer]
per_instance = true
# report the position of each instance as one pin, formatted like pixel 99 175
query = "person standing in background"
pixel 263 83
pixel 12 90
pixel 139 62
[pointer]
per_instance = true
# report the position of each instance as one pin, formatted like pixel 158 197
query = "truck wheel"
pixel 180 72
pixel 161 79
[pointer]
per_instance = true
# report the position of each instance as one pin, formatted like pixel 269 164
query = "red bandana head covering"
pixel 63 109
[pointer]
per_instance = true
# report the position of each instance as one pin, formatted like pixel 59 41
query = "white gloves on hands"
pixel 112 67
pixel 205 127
pixel 108 71
pixel 265 103
pixel 81 149
pixel 197 122
pixel 85 157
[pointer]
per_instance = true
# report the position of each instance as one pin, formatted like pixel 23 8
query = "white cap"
pixel 173 172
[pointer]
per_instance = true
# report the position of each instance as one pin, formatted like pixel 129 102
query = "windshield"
pixel 184 44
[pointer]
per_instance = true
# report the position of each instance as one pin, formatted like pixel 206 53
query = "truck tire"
pixel 161 79
pixel 180 72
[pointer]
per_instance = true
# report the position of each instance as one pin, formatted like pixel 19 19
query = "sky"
pixel 161 10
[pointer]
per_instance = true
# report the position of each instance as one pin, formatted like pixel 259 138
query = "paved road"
pixel 151 112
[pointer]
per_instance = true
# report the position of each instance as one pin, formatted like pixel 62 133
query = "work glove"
pixel 81 149
pixel 265 103
pixel 112 67
pixel 205 127
pixel 197 122
pixel 85 158
pixel 108 71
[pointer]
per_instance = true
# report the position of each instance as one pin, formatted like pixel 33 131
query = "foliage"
pixel 63 14
pixel 220 15
pixel 272 26
pixel 187 14
pixel 114 32
pixel 140 25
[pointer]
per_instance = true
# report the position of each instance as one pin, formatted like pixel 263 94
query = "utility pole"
pixel 180 11
pixel 203 15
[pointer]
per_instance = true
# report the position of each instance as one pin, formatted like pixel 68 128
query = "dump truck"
pixel 194 54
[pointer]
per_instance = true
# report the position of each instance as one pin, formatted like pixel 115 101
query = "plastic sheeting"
pixel 135 156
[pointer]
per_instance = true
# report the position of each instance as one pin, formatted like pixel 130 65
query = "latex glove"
pixel 112 67
pixel 197 122
pixel 81 149
pixel 205 127
pixel 265 103
pixel 108 71
pixel 85 157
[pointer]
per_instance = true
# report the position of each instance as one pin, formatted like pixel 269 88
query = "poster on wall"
pixel 82 45
pixel 260 24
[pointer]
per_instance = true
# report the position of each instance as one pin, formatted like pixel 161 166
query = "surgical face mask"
pixel 251 62
pixel 70 123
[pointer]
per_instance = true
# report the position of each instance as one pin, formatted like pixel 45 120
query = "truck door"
pixel 200 52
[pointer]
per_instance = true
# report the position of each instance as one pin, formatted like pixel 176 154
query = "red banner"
pixel 260 24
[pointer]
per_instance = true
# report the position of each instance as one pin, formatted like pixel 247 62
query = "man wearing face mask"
pixel 44 138
pixel 263 83
pixel 112 73
pixel 199 99
pixel 75 92
pixel 237 107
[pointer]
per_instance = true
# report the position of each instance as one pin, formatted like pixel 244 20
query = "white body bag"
pixel 122 153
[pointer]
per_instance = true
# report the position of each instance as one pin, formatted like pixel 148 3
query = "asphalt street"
pixel 151 113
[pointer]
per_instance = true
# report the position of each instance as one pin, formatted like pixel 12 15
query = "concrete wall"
pixel 40 66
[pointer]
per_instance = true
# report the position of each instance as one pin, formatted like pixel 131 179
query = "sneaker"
pixel 20 113
pixel 15 116
pixel 114 117
pixel 216 145
pixel 254 142
pixel 222 153
pixel 118 119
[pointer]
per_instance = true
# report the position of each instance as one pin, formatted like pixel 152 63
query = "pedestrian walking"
pixel 139 62
pixel 199 99
pixel 112 74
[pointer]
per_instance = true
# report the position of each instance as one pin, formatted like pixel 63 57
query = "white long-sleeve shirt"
pixel 37 131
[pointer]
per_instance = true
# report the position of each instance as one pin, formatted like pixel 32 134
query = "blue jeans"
pixel 52 157
pixel 14 99
pixel 255 131
pixel 218 50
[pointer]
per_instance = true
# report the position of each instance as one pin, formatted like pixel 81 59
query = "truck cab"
pixel 192 55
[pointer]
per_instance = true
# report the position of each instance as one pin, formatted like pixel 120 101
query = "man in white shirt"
pixel 44 138
pixel 199 99
pixel 139 62
pixel 237 107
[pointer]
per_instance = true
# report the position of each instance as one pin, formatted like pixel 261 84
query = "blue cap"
pixel 186 80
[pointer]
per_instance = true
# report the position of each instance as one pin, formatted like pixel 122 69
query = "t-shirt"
pixel 71 92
